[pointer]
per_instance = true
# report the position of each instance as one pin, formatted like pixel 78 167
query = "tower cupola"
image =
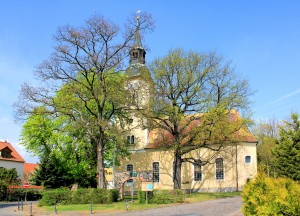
pixel 137 53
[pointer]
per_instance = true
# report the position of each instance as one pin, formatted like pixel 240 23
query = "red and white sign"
pixel 26 185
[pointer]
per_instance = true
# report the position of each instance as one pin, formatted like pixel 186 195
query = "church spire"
pixel 137 53
pixel 137 39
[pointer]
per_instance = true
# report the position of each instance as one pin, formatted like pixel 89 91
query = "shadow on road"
pixel 5 205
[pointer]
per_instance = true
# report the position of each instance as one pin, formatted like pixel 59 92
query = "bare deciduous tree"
pixel 194 98
pixel 82 79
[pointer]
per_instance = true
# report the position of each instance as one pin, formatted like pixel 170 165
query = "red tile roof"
pixel 159 138
pixel 29 168
pixel 14 154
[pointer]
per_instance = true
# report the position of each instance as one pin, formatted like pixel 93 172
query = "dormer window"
pixel 6 153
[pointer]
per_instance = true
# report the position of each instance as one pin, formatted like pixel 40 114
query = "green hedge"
pixel 81 196
pixel 115 194
pixel 142 197
pixel 162 196
pixel 7 194
pixel 268 196
pixel 51 197
pixel 167 196
pixel 3 190
pixel 17 194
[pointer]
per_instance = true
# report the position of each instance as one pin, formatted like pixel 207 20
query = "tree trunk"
pixel 100 164
pixel 177 170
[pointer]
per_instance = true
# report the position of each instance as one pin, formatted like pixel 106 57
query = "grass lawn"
pixel 199 197
pixel 115 207
pixel 121 206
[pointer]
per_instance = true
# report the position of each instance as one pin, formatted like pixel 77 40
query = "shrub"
pixel 101 196
pixel 3 190
pixel 81 196
pixel 167 196
pixel 33 195
pixel 115 194
pixel 267 196
pixel 17 194
pixel 141 197
pixel 179 196
pixel 51 197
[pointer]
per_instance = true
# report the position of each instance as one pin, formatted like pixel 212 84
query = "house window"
pixel 248 159
pixel 130 140
pixel 155 167
pixel 5 153
pixel 219 166
pixel 197 171
pixel 129 168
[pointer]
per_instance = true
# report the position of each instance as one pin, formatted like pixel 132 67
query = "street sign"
pixel 26 185
pixel 147 186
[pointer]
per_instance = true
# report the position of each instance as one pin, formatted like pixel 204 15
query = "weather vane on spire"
pixel 138 17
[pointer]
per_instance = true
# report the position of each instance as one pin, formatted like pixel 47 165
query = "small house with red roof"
pixel 10 158
pixel 29 169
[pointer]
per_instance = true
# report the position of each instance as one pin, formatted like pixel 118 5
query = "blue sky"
pixel 261 38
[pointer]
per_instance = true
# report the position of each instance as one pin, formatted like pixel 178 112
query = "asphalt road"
pixel 219 207
pixel 9 209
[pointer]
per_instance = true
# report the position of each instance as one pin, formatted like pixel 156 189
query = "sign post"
pixel 26 185
pixel 147 186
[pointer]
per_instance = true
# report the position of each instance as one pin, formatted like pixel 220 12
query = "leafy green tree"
pixel 287 150
pixel 50 174
pixel 194 95
pixel 266 134
pixel 3 190
pixel 9 176
pixel 63 159
pixel 81 80
pixel 37 132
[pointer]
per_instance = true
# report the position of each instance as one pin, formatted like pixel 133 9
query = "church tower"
pixel 139 84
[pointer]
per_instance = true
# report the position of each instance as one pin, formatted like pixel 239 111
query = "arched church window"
pixel 219 168
pixel 130 139
pixel 197 170
pixel 155 167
